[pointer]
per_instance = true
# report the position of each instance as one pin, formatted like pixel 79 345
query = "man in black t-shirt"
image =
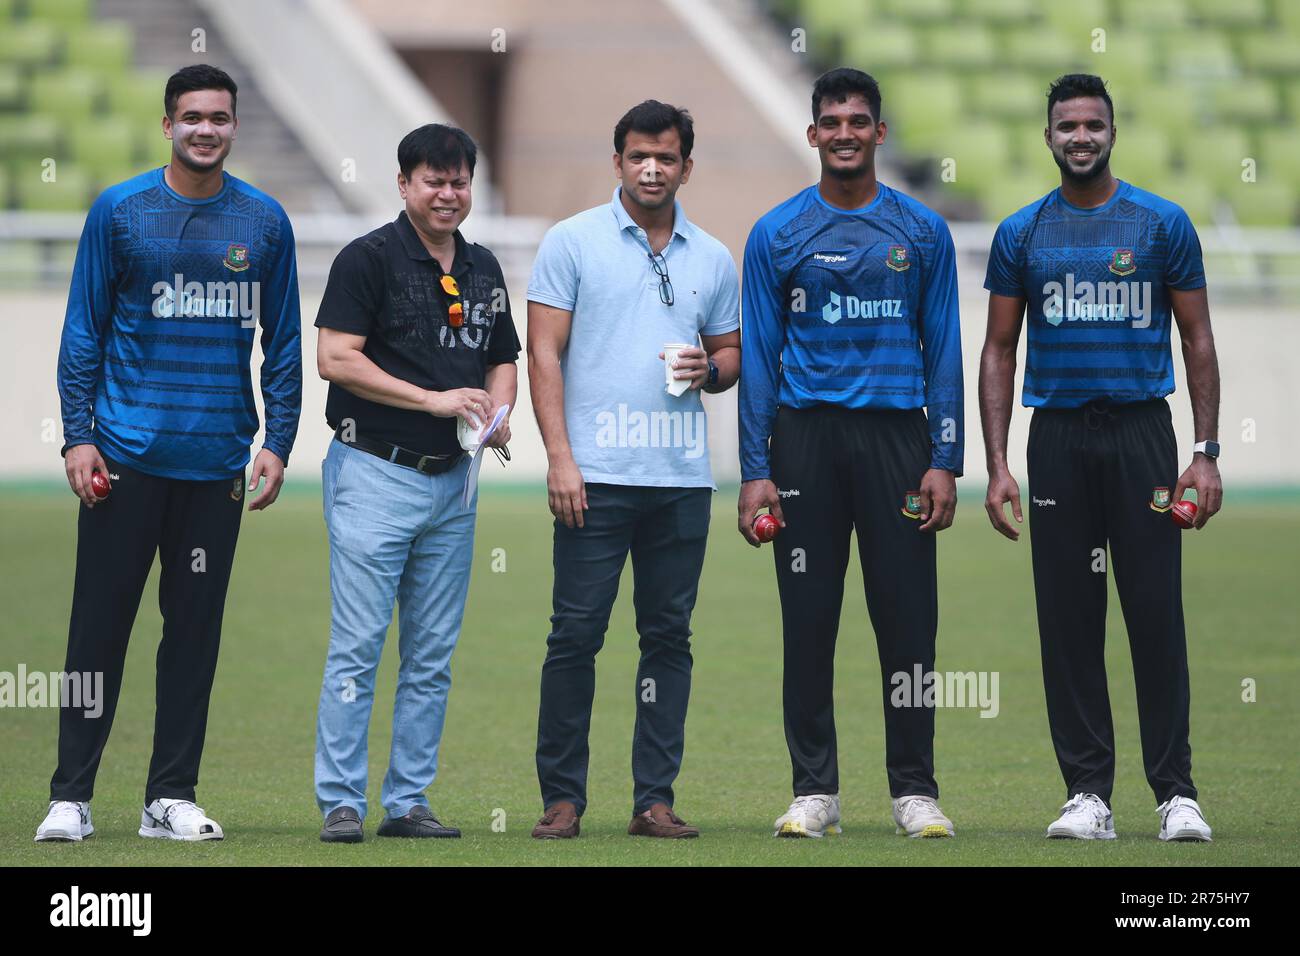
pixel 415 332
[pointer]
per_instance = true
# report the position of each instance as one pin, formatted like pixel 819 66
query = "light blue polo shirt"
pixel 624 427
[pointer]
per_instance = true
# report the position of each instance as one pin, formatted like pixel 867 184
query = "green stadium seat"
pixel 880 49
pixel 964 47
pixel 63 12
pixel 1273 53
pixel 1001 197
pixel 1027 145
pixel 1043 50
pixel 1194 195
pixel 29 44
pixel 1288 16
pixel 916 10
pixel 1216 162
pixel 926 107
pixel 1150 15
pixel 1000 11
pixel 28 137
pixel 1236 14
pixel 1291 94
pixel 70 191
pixel 983 156
pixel 1142 156
pixel 1078 18
pixel 5 195
pixel 1279 156
pixel 13 90
pixel 105 47
pixel 1197 56
pixel 1170 109
pixel 1264 204
pixel 102 147
pixel 829 23
pixel 1248 100
pixel 138 96
pixel 1009 96
pixel 65 94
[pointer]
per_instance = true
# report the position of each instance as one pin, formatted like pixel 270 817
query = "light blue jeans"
pixel 395 535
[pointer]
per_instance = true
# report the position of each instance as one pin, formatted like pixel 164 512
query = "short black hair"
pixel 437 146
pixel 840 84
pixel 653 117
pixel 198 77
pixel 1074 85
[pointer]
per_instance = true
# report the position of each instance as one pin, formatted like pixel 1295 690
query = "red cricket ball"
pixel 766 527
pixel 99 485
pixel 1184 513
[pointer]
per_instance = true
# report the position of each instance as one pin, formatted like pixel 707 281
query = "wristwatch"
pixel 1210 449
pixel 713 373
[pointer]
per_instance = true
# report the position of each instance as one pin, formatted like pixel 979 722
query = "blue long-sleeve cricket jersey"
pixel 166 295
pixel 1096 282
pixel 856 308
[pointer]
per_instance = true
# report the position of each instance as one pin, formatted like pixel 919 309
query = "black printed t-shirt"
pixel 387 287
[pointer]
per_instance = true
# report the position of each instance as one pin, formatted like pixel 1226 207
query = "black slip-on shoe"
pixel 343 825
pixel 418 823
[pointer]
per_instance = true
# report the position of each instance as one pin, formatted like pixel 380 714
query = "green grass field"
pixel 998 777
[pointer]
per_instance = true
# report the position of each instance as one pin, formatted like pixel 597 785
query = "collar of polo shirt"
pixel 681 225
pixel 416 249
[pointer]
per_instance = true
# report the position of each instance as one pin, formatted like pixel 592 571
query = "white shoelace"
pixel 1086 805
pixel 181 812
pixel 910 807
pixel 66 808
pixel 811 804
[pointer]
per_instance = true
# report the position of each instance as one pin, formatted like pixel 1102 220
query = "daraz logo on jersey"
pixel 851 307
pixel 1086 301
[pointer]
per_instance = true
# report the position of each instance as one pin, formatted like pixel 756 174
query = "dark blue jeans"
pixel 666 530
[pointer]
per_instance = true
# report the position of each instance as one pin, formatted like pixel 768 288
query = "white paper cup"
pixel 676 386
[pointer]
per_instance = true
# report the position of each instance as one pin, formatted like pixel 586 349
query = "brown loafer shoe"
pixel 660 821
pixel 559 822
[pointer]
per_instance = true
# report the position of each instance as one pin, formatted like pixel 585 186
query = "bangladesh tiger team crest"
pixel 1160 500
pixel 237 489
pixel 236 257
pixel 1121 263
pixel 912 504
pixel 896 259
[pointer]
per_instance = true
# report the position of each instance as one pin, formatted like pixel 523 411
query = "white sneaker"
pixel 1181 820
pixel 66 821
pixel 1084 817
pixel 812 815
pixel 919 816
pixel 178 820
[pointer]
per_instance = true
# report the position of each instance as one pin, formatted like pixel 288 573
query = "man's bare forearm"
pixel 546 387
pixel 503 384
pixel 728 362
pixel 1202 364
pixel 355 371
pixel 996 385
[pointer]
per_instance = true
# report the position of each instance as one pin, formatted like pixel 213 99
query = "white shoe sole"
pixel 1186 836
pixel 1064 834
pixel 793 830
pixel 929 832
pixel 63 836
pixel 161 833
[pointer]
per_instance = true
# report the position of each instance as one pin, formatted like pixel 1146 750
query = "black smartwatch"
pixel 713 373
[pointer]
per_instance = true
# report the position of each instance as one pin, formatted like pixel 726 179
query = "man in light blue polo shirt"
pixel 614 289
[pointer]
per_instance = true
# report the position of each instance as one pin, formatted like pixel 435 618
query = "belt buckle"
pixel 420 465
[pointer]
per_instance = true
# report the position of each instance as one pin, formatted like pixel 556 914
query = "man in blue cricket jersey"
pixel 1101 266
pixel 175 270
pixel 850 329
